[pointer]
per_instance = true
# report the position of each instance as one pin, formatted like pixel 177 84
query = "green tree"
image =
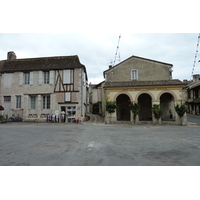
pixel 110 106
pixel 134 107
pixel 157 111
pixel 181 109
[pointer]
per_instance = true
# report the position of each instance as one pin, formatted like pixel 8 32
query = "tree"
pixel 157 111
pixel 181 109
pixel 110 107
pixel 134 107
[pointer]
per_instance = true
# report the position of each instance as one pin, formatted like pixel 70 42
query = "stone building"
pixel 35 87
pixel 193 95
pixel 146 82
pixel 96 97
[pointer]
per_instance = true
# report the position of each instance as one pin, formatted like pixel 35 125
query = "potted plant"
pixel 157 112
pixel 110 108
pixel 3 119
pixel 134 107
pixel 181 110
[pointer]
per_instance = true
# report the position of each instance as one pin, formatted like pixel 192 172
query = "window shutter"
pixel 22 102
pixel 40 77
pixel 13 102
pixel 21 76
pixel 31 78
pixel 51 77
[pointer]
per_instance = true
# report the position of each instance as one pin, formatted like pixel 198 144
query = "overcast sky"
pixel 97 51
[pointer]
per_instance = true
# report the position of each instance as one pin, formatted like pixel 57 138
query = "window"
pixel 18 101
pixel 7 98
pixel 46 102
pixel 46 77
pixel 66 76
pixel 26 78
pixel 67 96
pixel 134 74
pixel 33 102
pixel 71 111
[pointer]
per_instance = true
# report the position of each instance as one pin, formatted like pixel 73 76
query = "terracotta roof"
pixel 143 83
pixel 44 63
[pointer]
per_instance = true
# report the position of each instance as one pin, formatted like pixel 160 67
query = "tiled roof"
pixel 45 63
pixel 143 83
pixel 193 85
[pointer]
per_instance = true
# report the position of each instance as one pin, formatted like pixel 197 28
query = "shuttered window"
pixel 46 77
pixel 27 78
pixel 18 102
pixel 46 102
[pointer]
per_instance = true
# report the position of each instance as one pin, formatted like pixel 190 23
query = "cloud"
pixel 97 50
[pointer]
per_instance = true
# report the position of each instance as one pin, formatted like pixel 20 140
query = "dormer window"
pixel 134 74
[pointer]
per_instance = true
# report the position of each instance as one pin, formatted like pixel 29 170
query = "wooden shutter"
pixel 51 77
pixel 31 78
pixel 13 102
pixel 21 78
pixel 40 77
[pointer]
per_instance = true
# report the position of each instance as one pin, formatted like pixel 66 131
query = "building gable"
pixel 141 69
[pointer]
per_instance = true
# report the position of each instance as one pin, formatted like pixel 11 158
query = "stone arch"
pixel 126 93
pixel 145 103
pixel 167 91
pixel 167 103
pixel 123 110
pixel 149 93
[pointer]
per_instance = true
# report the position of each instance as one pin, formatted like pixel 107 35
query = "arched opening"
pixel 145 103
pixel 167 106
pixel 123 110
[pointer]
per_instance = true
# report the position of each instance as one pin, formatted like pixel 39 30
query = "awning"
pixel 1 108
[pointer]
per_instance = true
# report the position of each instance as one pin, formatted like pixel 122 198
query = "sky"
pixel 97 50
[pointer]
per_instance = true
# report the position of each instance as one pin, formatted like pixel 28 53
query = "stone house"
pixel 35 87
pixel 193 96
pixel 146 82
pixel 97 96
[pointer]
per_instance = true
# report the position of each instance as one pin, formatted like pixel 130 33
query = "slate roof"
pixel 43 63
pixel 144 83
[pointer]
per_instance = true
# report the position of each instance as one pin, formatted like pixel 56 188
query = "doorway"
pixel 167 106
pixel 123 110
pixel 145 103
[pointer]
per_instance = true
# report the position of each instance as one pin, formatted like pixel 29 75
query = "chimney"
pixel 110 66
pixel 11 55
pixel 196 78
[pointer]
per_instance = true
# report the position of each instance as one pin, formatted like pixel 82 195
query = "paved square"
pixel 42 144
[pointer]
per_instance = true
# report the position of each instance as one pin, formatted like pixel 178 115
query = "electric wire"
pixel 196 54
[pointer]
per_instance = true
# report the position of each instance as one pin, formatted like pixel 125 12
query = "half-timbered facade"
pixel 35 87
